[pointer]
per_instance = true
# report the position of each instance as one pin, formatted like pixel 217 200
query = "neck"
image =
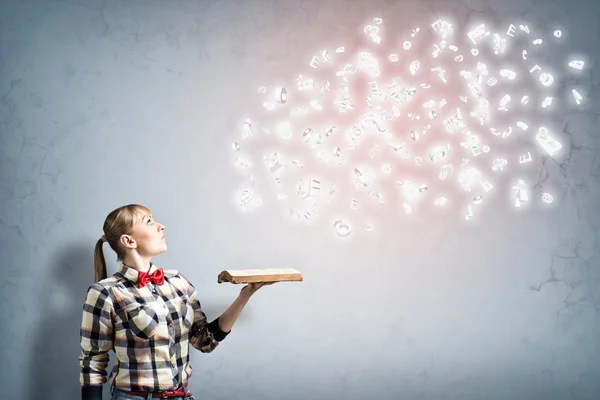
pixel 138 262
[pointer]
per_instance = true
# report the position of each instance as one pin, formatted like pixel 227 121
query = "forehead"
pixel 143 215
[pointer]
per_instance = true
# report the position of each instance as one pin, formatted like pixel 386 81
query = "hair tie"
pixel 103 238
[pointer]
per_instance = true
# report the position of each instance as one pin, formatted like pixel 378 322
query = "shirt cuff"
pixel 214 328
pixel 91 393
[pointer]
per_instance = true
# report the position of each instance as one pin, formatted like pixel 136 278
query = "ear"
pixel 128 241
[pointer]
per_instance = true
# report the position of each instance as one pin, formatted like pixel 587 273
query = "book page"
pixel 262 271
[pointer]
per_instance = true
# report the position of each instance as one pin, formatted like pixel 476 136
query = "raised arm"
pixel 204 336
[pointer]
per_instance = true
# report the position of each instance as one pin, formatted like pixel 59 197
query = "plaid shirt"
pixel 149 329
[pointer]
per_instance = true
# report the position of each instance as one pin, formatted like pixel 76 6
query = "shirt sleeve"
pixel 96 336
pixel 204 336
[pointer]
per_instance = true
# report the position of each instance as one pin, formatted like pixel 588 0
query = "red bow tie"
pixel 145 278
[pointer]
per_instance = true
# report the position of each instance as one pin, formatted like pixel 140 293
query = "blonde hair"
pixel 118 222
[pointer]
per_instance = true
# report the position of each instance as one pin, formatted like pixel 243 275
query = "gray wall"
pixel 108 103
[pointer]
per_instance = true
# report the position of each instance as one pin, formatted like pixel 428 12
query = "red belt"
pixel 181 392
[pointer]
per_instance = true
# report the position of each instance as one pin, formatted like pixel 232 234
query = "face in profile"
pixel 149 236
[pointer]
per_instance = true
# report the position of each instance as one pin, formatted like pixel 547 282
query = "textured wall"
pixel 104 103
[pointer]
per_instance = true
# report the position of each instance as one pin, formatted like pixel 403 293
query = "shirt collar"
pixel 132 274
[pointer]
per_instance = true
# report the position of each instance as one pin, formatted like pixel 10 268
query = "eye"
pixel 149 220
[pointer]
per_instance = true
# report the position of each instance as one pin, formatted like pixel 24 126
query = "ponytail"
pixel 99 262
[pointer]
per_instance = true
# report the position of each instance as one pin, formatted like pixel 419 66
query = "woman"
pixel 148 316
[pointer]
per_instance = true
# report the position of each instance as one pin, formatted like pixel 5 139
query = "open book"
pixel 260 275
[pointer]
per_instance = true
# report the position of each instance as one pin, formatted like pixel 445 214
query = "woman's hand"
pixel 251 288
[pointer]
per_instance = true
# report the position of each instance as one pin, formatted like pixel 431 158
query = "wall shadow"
pixel 54 365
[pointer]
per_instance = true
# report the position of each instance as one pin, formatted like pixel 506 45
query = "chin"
pixel 160 251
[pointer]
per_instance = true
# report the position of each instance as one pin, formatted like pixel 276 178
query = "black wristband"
pixel 91 393
pixel 214 328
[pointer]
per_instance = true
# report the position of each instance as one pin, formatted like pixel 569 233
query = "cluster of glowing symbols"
pixel 401 92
